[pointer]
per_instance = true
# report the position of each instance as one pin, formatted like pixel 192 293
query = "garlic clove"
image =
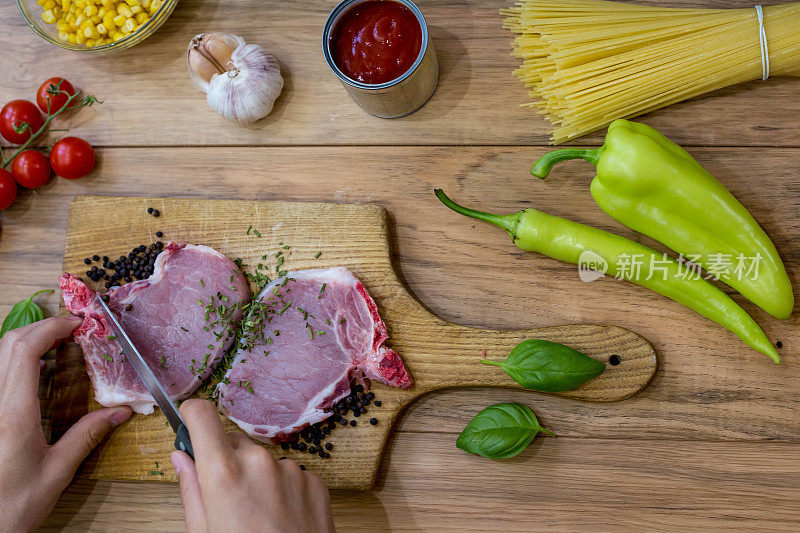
pixel 209 54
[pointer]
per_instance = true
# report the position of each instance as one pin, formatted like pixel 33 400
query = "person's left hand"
pixel 33 473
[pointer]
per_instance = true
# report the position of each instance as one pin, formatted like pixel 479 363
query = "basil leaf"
pixel 500 431
pixel 24 313
pixel 548 366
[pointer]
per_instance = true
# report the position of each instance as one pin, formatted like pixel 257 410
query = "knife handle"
pixel 183 442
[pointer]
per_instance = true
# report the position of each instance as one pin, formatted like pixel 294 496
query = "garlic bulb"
pixel 241 81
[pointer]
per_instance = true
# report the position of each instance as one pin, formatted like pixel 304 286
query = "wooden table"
pixel 713 442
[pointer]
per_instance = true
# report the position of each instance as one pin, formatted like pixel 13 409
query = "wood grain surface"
pixel 712 443
pixel 438 354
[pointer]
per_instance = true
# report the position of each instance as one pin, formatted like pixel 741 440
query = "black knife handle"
pixel 183 442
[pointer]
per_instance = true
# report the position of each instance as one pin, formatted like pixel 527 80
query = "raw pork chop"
pixel 306 336
pixel 165 321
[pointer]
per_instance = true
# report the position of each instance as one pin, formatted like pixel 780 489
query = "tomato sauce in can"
pixel 376 41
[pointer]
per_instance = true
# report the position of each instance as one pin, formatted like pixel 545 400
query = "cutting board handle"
pixel 630 359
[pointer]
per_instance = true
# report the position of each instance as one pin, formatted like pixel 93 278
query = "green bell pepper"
pixel 654 186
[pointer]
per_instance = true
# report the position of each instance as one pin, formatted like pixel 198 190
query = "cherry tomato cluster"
pixel 21 122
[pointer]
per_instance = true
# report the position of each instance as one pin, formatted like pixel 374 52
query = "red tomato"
pixel 72 158
pixel 14 114
pixel 8 189
pixel 57 101
pixel 31 169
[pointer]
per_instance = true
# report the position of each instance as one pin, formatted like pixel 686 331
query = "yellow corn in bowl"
pixel 95 25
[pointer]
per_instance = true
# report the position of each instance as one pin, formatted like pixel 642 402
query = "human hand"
pixel 237 486
pixel 33 473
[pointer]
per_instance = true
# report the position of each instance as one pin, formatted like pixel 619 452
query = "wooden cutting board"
pixel 438 354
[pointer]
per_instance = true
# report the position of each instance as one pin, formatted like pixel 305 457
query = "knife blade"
pixel 182 441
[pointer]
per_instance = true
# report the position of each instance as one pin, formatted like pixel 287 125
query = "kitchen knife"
pixel 182 441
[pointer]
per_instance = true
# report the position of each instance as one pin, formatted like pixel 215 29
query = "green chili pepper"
pixel 654 186
pixel 565 240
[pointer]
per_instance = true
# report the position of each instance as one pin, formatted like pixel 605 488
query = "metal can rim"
pixel 334 17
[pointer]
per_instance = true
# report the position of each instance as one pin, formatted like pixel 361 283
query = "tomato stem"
pixel 85 101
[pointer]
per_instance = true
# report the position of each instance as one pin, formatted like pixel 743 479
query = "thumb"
pixel 193 507
pixel 73 447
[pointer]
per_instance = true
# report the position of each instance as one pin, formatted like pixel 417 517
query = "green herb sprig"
pixel 23 313
pixel 549 366
pixel 501 431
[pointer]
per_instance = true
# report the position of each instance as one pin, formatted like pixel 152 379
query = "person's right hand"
pixel 236 485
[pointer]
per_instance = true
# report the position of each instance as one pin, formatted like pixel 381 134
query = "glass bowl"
pixel 32 13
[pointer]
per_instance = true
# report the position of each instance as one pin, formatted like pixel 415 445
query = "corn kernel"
pixel 155 5
pixel 90 10
pixel 62 26
pixel 102 30
pixel 80 4
pixel 141 18
pixel 66 4
pixel 89 43
pixel 49 5
pixel 63 35
pixel 145 4
pixel 91 32
pixel 136 9
pixel 48 16
pixel 41 2
pixel 129 26
pixel 70 19
pixel 72 38
pixel 124 9
pixel 109 3
pixel 108 22
pixel 80 37
pixel 119 20
pixel 80 19
pixel 102 12
pixel 57 12
pixel 118 36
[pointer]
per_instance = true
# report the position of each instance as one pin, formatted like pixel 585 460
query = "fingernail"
pixel 176 462
pixel 119 417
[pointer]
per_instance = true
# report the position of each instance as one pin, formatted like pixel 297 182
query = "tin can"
pixel 398 97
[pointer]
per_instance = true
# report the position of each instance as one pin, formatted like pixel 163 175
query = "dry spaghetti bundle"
pixel 588 62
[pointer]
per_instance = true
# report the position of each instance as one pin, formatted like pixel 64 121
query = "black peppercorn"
pixel 302 467
pixel 373 421
pixel 378 403
pixel 353 423
pixel 156 213
pixel 129 307
pixel 95 257
pixel 149 210
pixel 159 234
pixel 312 450
pixel 328 446
pixel 284 445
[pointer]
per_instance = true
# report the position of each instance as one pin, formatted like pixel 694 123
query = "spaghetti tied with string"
pixel 588 62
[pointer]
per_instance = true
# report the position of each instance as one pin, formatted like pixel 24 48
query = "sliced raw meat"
pixel 306 336
pixel 180 338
